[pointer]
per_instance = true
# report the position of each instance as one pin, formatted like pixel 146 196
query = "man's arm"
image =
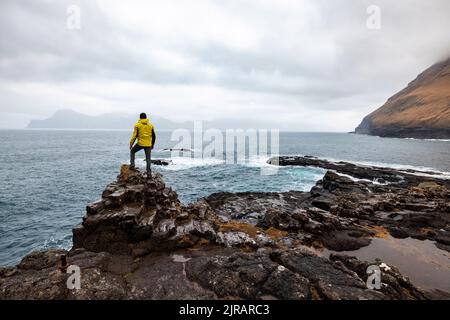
pixel 133 137
pixel 153 137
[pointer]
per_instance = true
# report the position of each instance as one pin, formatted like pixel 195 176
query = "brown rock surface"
pixel 139 242
pixel 421 110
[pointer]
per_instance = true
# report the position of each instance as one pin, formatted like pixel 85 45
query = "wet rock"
pixel 293 274
pixel 337 206
pixel 235 239
pixel 393 284
pixel 437 295
pixel 141 215
pixel 285 220
pixel 412 197
pixel 41 259
pixel 161 162
pixel 345 240
pixel 243 206
pixel 139 242
pixel 330 280
pixel 370 173
pixel 95 207
pixel 239 275
pixel 323 203
pixel 287 285
pixel 332 181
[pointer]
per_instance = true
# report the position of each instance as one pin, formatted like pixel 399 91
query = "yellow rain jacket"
pixel 143 131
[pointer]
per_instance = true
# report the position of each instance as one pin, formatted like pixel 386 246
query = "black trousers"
pixel 148 156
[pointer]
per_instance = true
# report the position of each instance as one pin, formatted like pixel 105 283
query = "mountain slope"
pixel 421 110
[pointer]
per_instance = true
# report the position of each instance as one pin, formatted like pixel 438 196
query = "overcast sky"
pixel 304 65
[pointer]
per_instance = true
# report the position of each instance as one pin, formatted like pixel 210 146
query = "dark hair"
pixel 143 116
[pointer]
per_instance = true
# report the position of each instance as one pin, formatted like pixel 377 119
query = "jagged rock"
pixel 139 242
pixel 369 173
pixel 40 260
pixel 334 211
pixel 393 284
pixel 280 274
pixel 287 285
pixel 244 205
pixel 413 197
pixel 105 276
pixel 284 220
pixel 345 240
pixel 235 239
pixel 139 215
pixel 161 162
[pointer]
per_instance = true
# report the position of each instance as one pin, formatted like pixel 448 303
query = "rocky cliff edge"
pixel 139 242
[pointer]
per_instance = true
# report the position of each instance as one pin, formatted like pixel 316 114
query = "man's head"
pixel 143 116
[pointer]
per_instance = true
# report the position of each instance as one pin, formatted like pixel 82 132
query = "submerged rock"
pixel 161 162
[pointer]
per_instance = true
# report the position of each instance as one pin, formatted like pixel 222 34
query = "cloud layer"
pixel 305 65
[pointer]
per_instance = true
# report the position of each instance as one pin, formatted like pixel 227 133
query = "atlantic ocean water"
pixel 48 176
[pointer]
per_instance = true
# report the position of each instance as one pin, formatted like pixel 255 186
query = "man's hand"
pixel 131 146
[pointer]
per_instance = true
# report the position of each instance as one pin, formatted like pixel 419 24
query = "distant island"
pixel 421 110
pixel 70 119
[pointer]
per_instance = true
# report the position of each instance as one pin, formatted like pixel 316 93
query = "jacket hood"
pixel 144 121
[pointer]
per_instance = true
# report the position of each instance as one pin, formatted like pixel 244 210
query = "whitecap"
pixel 420 170
pixel 184 163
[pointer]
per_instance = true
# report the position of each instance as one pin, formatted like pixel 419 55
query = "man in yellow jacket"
pixel 144 132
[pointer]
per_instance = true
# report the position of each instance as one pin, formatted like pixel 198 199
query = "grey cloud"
pixel 336 64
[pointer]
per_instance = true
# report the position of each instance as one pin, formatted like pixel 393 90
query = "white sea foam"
pixel 420 170
pixel 358 180
pixel 438 140
pixel 187 162
pixel 258 161
pixel 60 243
pixel 184 163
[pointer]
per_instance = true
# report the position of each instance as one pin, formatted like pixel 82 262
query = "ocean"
pixel 48 177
